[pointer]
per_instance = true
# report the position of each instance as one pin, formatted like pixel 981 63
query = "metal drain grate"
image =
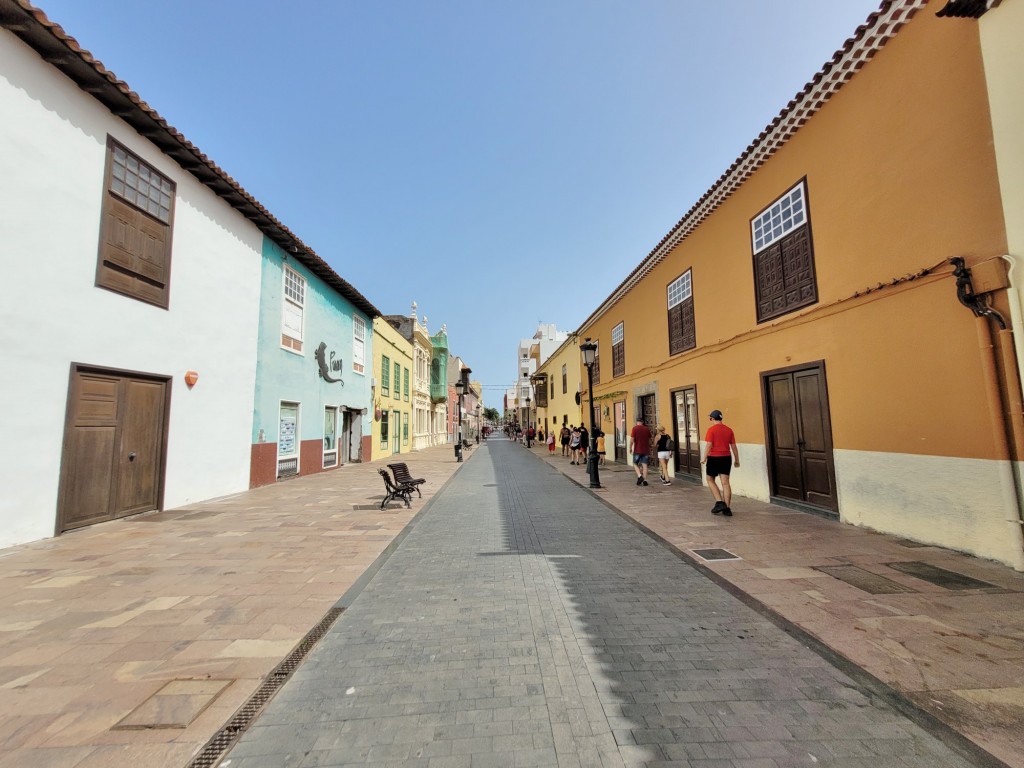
pixel 225 738
pixel 715 554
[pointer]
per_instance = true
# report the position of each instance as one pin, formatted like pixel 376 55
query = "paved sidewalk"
pixel 96 626
pixel 521 623
pixel 956 652
pixel 131 643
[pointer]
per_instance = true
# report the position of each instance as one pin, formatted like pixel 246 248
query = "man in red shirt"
pixel 640 447
pixel 719 443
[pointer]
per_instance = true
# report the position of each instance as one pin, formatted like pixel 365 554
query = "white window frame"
pixel 619 333
pixel 785 214
pixel 680 289
pixel 331 455
pixel 296 437
pixel 293 303
pixel 358 344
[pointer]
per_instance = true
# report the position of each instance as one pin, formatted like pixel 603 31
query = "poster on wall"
pixel 286 444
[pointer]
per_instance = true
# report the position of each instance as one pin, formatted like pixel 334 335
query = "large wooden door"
pixel 649 409
pixel 687 431
pixel 113 453
pixel 800 436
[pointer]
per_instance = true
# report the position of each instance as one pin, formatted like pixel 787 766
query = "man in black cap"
pixel 720 456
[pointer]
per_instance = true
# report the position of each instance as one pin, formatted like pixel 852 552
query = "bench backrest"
pixel 387 479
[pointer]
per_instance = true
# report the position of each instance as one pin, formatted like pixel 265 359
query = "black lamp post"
pixel 460 389
pixel 479 428
pixel 527 430
pixel 589 350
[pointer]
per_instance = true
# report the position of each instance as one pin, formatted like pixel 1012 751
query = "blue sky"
pixel 500 163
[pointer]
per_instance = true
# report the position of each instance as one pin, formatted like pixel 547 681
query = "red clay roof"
pixel 59 49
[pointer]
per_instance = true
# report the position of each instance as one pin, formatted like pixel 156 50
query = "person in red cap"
pixel 720 456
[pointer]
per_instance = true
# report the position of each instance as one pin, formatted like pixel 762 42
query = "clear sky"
pixel 500 163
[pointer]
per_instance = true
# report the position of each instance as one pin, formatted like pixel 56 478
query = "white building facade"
pixel 129 303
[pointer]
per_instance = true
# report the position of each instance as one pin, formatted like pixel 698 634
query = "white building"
pixel 130 298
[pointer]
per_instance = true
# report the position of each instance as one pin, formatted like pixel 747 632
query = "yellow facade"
pixel 873 401
pixel 392 409
pixel 561 377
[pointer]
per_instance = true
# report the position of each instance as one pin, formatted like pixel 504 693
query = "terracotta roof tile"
pixel 61 50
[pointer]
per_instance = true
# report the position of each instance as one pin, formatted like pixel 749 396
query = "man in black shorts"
pixel 720 456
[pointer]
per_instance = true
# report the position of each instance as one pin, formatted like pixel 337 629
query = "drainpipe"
pixel 1008 480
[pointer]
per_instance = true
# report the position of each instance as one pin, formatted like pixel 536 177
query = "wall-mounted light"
pixel 191 377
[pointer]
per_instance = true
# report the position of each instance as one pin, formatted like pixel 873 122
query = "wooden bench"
pixel 395 491
pixel 402 477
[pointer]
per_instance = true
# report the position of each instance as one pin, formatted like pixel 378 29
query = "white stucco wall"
pixel 964 498
pixel 51 189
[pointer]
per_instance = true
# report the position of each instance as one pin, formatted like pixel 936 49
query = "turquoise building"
pixel 314 368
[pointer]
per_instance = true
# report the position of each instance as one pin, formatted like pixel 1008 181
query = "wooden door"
pixel 113 453
pixel 620 431
pixel 800 436
pixel 687 431
pixel 648 407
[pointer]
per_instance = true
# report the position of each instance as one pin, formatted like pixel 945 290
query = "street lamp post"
pixel 527 431
pixel 460 389
pixel 479 430
pixel 589 350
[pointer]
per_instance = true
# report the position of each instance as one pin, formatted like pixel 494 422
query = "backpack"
pixel 670 445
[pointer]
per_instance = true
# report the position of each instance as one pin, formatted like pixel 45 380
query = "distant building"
pixel 430 375
pixel 531 354
pixel 392 388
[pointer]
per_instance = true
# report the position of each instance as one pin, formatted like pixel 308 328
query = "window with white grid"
pixel 358 344
pixel 679 290
pixel 681 331
pixel 292 310
pixel 780 218
pixel 618 350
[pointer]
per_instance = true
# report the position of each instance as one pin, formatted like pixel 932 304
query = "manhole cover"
pixel 715 554
pixel 940 576
pixel 865 580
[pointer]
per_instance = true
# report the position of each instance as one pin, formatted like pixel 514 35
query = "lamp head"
pixel 589 350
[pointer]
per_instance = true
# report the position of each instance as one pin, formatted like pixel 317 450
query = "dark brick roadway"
pixel 521 622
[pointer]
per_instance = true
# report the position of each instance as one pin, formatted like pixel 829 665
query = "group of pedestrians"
pixel 575 442
pixel 719 455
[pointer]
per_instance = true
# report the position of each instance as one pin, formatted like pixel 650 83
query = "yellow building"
pixel 813 295
pixel 556 385
pixel 392 408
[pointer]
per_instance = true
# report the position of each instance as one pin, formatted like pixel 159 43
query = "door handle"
pixel 131 456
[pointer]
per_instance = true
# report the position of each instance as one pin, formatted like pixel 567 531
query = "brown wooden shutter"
pixel 619 359
pixel 134 255
pixel 682 333
pixel 784 273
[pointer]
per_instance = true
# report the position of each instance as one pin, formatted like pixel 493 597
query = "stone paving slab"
pixel 97 622
pixel 957 654
pixel 87 633
pixel 521 623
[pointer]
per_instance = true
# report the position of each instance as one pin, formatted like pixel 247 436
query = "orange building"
pixel 813 295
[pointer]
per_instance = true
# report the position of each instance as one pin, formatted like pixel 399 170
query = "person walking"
pixel 665 448
pixel 574 445
pixel 584 444
pixel 640 447
pixel 551 442
pixel 600 447
pixel 564 436
pixel 720 456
